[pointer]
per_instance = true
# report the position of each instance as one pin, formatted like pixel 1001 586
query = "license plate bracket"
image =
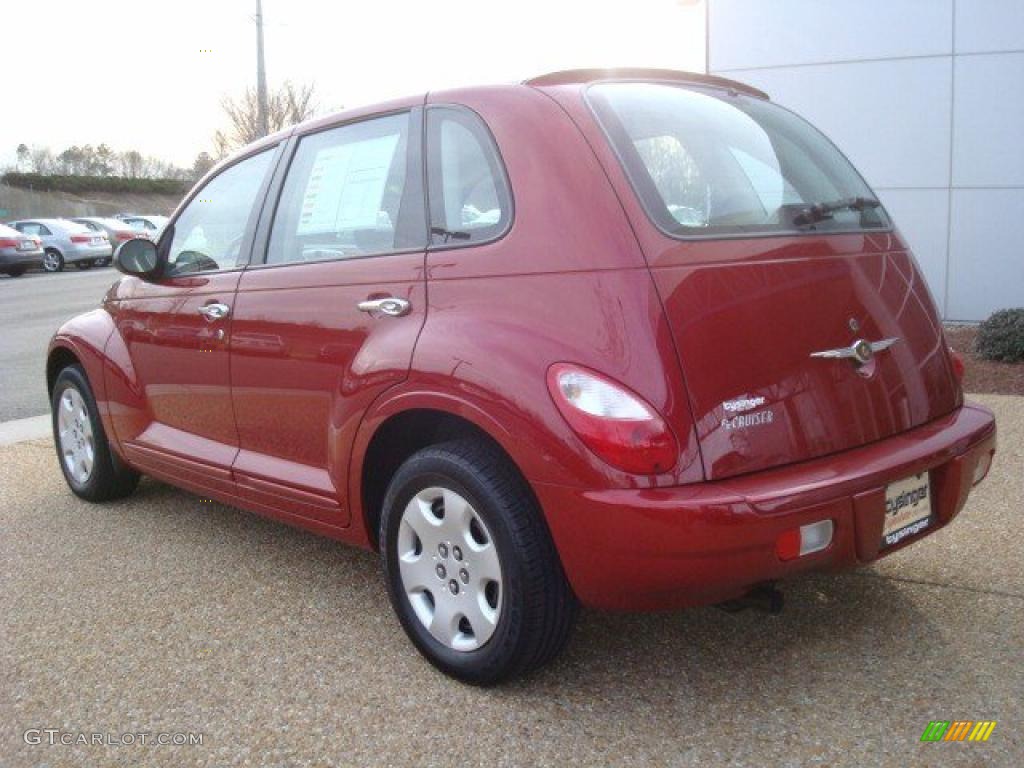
pixel 908 508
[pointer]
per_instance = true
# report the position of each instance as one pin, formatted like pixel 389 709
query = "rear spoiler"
pixel 569 76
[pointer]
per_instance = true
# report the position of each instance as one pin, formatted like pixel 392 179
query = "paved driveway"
pixel 163 613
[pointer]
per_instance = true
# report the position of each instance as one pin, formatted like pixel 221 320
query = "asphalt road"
pixel 164 613
pixel 32 307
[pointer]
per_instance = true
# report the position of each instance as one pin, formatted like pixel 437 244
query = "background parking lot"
pixel 163 612
pixel 32 307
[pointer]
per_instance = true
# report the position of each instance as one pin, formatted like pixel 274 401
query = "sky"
pixel 146 75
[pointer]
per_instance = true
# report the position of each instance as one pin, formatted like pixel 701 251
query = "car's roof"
pixel 58 222
pixel 9 231
pixel 98 219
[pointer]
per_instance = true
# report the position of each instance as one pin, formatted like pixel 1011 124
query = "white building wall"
pixel 926 97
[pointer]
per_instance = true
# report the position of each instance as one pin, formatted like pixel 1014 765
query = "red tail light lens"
pixel 613 422
pixel 6 243
pixel 958 364
pixel 123 236
pixel 81 238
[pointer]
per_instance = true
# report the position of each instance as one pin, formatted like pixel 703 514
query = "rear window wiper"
pixel 820 211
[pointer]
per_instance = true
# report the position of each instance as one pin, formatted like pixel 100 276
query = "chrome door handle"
pixel 213 312
pixel 389 306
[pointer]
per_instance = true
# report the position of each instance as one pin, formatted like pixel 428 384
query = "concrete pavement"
pixel 32 307
pixel 166 613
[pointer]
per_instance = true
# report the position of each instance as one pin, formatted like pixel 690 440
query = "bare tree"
pixel 286 105
pixel 203 163
pixel 132 163
pixel 24 155
pixel 42 160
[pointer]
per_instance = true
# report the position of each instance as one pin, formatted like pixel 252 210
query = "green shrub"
pixel 1001 337
pixel 79 184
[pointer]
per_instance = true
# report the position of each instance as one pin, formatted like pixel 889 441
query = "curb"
pixel 22 430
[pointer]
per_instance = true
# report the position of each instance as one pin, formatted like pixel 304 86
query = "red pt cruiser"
pixel 634 339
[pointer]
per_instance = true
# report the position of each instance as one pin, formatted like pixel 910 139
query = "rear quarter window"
pixel 470 199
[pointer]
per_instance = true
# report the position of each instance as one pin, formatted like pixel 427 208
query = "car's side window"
pixel 208 234
pixel 348 193
pixel 469 193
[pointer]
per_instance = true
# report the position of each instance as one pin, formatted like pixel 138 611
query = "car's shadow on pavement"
pixel 834 627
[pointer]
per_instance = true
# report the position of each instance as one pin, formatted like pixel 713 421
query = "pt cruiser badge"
pixel 860 352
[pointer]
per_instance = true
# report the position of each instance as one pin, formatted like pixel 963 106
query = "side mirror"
pixel 139 257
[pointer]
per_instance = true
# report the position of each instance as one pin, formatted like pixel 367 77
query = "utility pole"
pixel 261 75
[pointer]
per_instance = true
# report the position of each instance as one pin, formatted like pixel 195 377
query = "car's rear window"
pixel 706 161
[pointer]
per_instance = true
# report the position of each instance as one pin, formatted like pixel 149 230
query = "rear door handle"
pixel 391 305
pixel 215 311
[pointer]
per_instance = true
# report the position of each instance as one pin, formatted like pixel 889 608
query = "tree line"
pixel 101 160
pixel 287 104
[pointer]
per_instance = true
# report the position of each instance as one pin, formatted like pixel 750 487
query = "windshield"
pixel 706 161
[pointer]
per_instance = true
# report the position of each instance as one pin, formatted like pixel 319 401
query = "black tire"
pixel 56 258
pixel 537 608
pixel 110 478
pixel 84 264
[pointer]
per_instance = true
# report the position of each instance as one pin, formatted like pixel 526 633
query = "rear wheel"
pixel 84 264
pixel 90 468
pixel 471 569
pixel 53 260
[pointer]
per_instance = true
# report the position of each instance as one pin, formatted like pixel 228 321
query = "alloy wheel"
pixel 51 261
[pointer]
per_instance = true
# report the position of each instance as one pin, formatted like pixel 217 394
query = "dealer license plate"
pixel 908 508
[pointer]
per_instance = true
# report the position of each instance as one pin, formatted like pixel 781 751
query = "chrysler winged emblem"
pixel 860 352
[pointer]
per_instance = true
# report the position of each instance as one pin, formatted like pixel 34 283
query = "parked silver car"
pixel 65 242
pixel 151 225
pixel 116 230
pixel 18 252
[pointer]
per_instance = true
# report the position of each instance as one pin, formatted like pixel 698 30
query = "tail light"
pixel 614 423
pixel 122 237
pixel 81 238
pixel 958 364
pixel 8 243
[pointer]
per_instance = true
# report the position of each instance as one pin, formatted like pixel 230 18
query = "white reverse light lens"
pixel 815 537
pixel 599 398
pixel 982 467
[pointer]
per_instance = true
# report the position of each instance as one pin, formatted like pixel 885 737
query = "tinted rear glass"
pixel 710 162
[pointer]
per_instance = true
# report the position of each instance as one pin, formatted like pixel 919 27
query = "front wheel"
pixel 90 468
pixel 470 566
pixel 53 261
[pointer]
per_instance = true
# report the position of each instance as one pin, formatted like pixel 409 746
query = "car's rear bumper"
pixel 88 253
pixel 10 258
pixel 649 549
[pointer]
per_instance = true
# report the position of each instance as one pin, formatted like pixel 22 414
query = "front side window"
pixel 208 234
pixel 709 162
pixel 469 196
pixel 346 195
